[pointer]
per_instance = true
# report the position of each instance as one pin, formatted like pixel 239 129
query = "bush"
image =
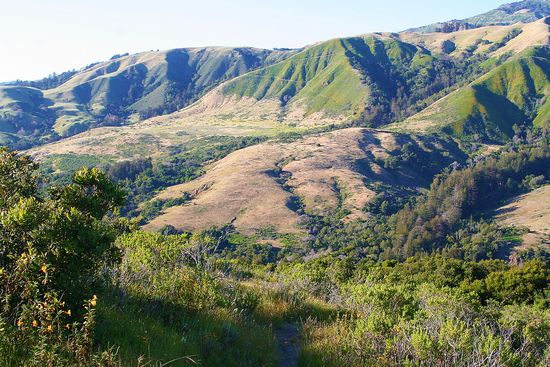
pixel 51 249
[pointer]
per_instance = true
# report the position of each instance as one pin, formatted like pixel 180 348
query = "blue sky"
pixel 43 36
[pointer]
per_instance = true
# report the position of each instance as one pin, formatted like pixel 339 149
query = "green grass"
pixel 338 77
pixel 489 107
pixel 216 338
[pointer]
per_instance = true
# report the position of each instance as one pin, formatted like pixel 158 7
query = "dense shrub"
pixel 51 249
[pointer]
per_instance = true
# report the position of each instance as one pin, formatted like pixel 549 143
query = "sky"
pixel 45 36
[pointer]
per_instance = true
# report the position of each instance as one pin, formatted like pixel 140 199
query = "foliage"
pixel 426 311
pixel 446 218
pixel 51 250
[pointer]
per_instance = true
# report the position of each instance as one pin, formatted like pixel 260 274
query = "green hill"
pixel 24 112
pixel 375 78
pixel 371 80
pixel 522 11
pixel 124 89
pixel 515 93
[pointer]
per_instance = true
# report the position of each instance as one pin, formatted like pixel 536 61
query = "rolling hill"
pixel 514 93
pixel 122 90
pixel 371 80
pixel 473 85
pixel 272 185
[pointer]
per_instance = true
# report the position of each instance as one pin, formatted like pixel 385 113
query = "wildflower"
pixel 19 323
pixel 49 328
pixel 34 323
pixel 68 312
pixel 44 269
pixel 93 302
pixel 67 326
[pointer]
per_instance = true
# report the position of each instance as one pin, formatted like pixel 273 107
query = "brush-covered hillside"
pixel 375 79
pixel 514 93
pixel 276 185
pixel 518 12
pixel 122 90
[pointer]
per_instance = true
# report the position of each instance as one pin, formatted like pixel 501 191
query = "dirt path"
pixel 287 340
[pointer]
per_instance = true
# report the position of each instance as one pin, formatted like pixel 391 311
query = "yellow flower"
pixel 49 328
pixel 94 297
pixel 67 326
pixel 34 323
pixel 68 312
pixel 19 323
pixel 93 302
pixel 44 269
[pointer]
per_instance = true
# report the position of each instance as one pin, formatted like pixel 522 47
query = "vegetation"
pixel 81 286
pixel 115 92
pixel 51 250
pixel 142 178
pixel 487 109
pixel 412 270
pixel 443 218
pixel 385 79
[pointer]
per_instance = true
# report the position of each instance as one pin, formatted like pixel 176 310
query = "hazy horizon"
pixel 61 35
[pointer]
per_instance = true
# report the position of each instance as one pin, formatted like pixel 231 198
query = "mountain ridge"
pixel 525 11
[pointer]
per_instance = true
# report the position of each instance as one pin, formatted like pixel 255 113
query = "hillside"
pixel 24 112
pixel 125 89
pixel 387 77
pixel 522 11
pixel 531 211
pixel 272 184
pixel 372 80
pixel 378 68
pixel 493 41
pixel 514 93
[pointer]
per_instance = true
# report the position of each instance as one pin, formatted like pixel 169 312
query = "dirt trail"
pixel 287 340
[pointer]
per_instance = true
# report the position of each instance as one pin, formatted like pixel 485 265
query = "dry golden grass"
pixel 531 210
pixel 535 33
pixel 239 186
pixel 326 172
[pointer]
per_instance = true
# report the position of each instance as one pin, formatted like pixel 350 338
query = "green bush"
pixel 51 250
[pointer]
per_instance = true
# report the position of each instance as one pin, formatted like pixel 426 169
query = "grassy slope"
pixel 370 77
pixel 489 107
pixel 271 184
pixel 138 83
pixel 532 211
pixel 22 110
pixel 340 77
pixel 321 67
